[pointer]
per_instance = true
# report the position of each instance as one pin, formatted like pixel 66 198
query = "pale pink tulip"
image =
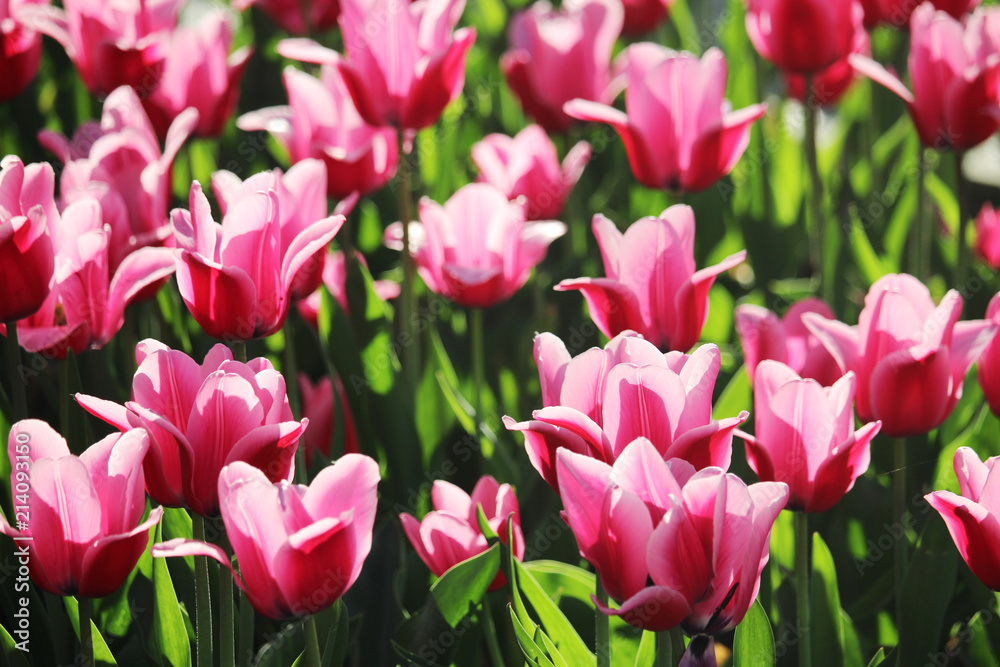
pixel 651 285
pixel 527 165
pixel 299 547
pixel 79 517
pixel 679 142
pixel 20 48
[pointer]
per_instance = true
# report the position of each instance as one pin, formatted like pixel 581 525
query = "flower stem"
pixel 962 258
pixel 312 642
pixel 478 368
pixel 490 631
pixel 246 630
pixel 64 398
pixel 664 649
pixel 227 631
pixel 920 235
pixel 816 195
pixel 240 351
pixel 899 515
pixel 203 597
pixel 18 397
pixel 677 642
pixel 291 373
pixel 86 632
pixel 602 628
pixel 803 570
pixel 408 343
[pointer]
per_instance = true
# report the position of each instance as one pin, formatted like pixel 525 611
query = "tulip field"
pixel 624 333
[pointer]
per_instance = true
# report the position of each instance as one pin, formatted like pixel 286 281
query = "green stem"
pixel 899 515
pixel 962 259
pixel 478 367
pixel 18 395
pixel 246 630
pixel 312 642
pixel 240 351
pixel 64 398
pixel 291 372
pixel 920 235
pixel 203 597
pixel 490 631
pixel 803 570
pixel 227 631
pixel 677 641
pixel 407 333
pixel 602 628
pixel 86 632
pixel 664 649
pixel 816 195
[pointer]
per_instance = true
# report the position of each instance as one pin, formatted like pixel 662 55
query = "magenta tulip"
pixel 973 518
pixel 118 162
pixel 26 253
pixel 651 285
pixel 112 44
pixel 642 16
pixel 79 517
pixel 830 84
pixel 954 74
pixel 897 12
pixel 477 249
pixel 451 534
pixel 296 16
pixel 201 418
pixel 675 142
pixel 237 278
pixel 910 357
pixel 199 72
pixel 335 280
pixel 319 407
pixel 988 236
pixel 598 402
pixel 989 362
pixel 405 62
pixel 321 122
pixel 20 48
pixel 557 56
pixel 803 36
pixel 299 547
pixel 527 165
pixel 805 437
pixel 700 536
pixel 788 340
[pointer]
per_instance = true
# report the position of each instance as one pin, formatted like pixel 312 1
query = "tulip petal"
pixel 975 531
pixel 613 307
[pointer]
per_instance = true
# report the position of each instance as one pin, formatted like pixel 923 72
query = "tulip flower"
pixel 703 139
pixel 764 336
pixel 237 279
pixel 651 285
pixel 988 236
pixel 201 418
pixel 989 362
pixel 451 534
pixel 295 16
pixel 557 56
pixel 702 537
pixel 805 437
pixel 600 401
pixel 335 280
pixel 803 36
pixel 20 48
pixel 827 86
pixel 910 357
pixel 972 517
pixel 26 253
pixel 118 162
pixel 405 62
pixel 319 408
pixel 81 524
pixel 953 71
pixel 86 305
pixel 112 44
pixel 299 547
pixel 321 122
pixel 477 249
pixel 527 165
pixel 897 12
pixel 642 16
pixel 199 72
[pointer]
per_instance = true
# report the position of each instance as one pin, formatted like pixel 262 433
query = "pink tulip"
pixel 405 62
pixel 321 122
pixel 451 534
pixel 477 249
pixel 830 84
pixel 86 305
pixel 972 518
pixel 989 362
pixel 805 437
pixel 988 236
pixel 296 16
pixel 600 401
pixel 20 48
pixel 700 536
pixel 788 340
pixel 78 517
pixel 26 253
pixel 199 72
pixel 557 56
pixel 112 44
pixel 651 285
pixel 910 357
pixel 702 141
pixel 335 280
pixel 527 165
pixel 319 408
pixel 953 72
pixel 237 278
pixel 299 547
pixel 897 12
pixel 201 418
pixel 118 162
pixel 642 16
pixel 803 36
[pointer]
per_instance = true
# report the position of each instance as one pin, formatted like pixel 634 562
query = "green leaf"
pixel 463 586
pixel 878 658
pixel 553 621
pixel 926 591
pixel 532 653
pixel 102 654
pixel 169 634
pixel 14 656
pixel 825 626
pixel 735 398
pixel 647 650
pixel 868 261
pixel 753 645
